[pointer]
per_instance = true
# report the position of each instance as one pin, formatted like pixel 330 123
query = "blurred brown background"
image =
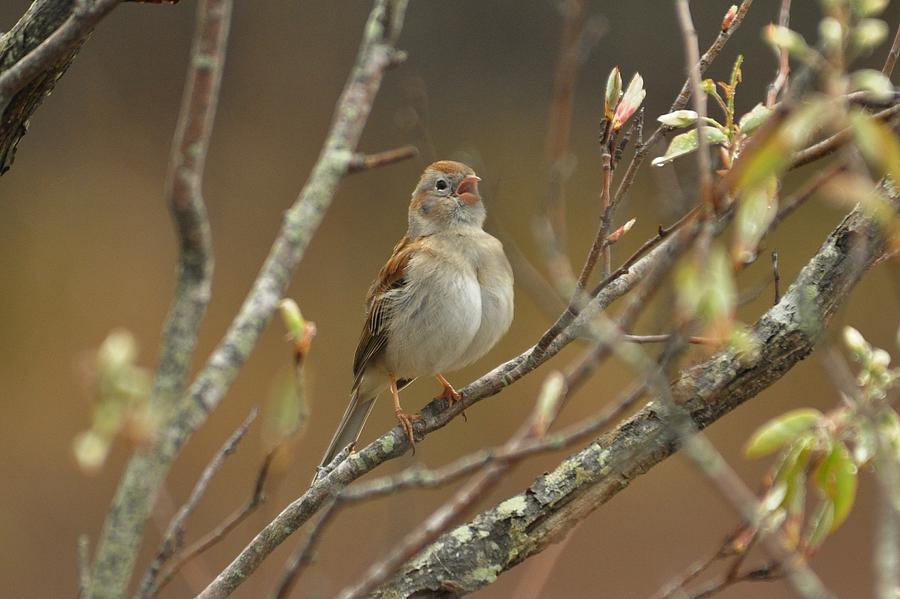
pixel 86 245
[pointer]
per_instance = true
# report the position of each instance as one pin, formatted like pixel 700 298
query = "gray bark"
pixel 41 19
pixel 475 554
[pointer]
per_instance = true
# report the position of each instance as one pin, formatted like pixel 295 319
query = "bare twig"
pixel 174 535
pixel 780 82
pixel 304 552
pixel 668 337
pixel 184 195
pixel 765 573
pixel 560 117
pixel 891 59
pixel 528 277
pixel 364 162
pixel 799 197
pixel 84 564
pixel 692 60
pixel 550 223
pixel 776 277
pixel 887 533
pixel 827 146
pixel 600 239
pixel 257 497
pixel 83 19
pixel 727 549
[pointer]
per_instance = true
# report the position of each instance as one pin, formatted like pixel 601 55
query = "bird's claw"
pixel 452 396
pixel 406 423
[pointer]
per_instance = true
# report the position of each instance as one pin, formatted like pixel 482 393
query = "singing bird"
pixel 442 300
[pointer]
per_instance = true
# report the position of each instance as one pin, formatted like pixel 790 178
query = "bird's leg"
pixel 449 393
pixel 405 419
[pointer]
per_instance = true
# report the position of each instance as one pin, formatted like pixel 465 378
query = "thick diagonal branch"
pixel 473 555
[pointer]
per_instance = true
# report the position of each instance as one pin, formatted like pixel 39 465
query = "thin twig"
pixel 780 82
pixel 84 17
pixel 363 162
pixel 550 226
pixel 663 338
pixel 887 533
pixel 600 239
pixel 891 59
pixel 662 234
pixel 184 196
pixel 799 197
pixel 84 564
pixel 147 469
pixel 832 143
pixel 304 553
pixel 765 573
pixel 174 535
pixel 776 277
pixel 692 60
pixel 257 497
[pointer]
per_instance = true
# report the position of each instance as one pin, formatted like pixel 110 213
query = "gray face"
pixel 436 206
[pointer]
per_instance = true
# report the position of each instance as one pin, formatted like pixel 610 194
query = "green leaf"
pixel 751 121
pixel 755 212
pixel 850 189
pixel 679 118
pixel 878 144
pixel 287 411
pixel 868 34
pixel 874 82
pixel 821 524
pixel 836 476
pixel 707 289
pixel 782 37
pixel 613 92
pixel 292 318
pixel 868 8
pixel 686 143
pixel 771 155
pixel 780 431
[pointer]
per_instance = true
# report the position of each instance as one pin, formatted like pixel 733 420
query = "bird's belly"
pixel 496 316
pixel 432 325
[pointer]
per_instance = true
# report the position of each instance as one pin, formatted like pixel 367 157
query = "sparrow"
pixel 442 300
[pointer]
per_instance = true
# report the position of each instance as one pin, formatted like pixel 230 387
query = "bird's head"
pixel 446 197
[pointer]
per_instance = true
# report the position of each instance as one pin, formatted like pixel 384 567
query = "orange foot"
pixel 449 393
pixel 406 423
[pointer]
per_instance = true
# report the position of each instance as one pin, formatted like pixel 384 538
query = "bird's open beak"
pixel 467 191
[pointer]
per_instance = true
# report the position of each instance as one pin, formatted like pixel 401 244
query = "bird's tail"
pixel 351 424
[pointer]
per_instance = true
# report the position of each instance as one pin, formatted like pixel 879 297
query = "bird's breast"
pixel 434 317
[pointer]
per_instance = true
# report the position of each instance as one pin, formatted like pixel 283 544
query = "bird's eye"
pixel 441 185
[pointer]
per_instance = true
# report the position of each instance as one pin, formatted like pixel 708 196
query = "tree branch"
pixel 149 466
pixel 433 416
pixel 473 555
pixel 184 195
pixel 174 535
pixel 34 54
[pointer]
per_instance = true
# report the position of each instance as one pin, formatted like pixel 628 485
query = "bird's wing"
pixel 391 277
